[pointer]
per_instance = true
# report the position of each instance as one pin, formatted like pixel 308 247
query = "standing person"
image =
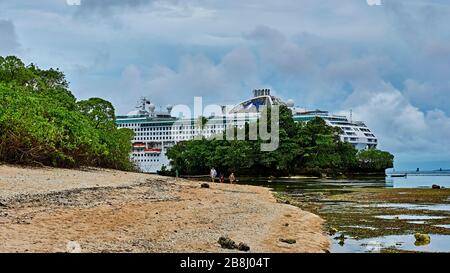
pixel 213 174
pixel 221 178
pixel 232 178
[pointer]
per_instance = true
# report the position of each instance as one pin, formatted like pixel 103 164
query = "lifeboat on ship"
pixel 139 145
pixel 152 151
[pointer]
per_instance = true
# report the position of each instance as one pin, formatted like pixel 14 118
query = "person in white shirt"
pixel 232 178
pixel 213 174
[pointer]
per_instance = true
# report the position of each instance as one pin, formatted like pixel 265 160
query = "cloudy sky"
pixel 389 63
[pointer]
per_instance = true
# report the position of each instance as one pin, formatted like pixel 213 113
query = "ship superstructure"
pixel 155 131
pixel 355 132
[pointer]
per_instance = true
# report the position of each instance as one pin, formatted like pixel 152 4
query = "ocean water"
pixel 439 243
pixel 418 181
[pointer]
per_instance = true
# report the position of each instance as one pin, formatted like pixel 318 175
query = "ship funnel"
pixel 261 92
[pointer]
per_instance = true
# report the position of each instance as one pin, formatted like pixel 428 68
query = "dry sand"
pixel 46 210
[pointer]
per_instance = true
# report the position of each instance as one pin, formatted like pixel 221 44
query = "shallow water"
pixel 438 207
pixel 409 217
pixel 418 181
pixel 439 243
pixel 417 222
pixel 443 226
pixel 363 227
pixel 301 186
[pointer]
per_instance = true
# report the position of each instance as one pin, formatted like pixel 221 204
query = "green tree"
pixel 304 148
pixel 99 111
pixel 41 123
pixel 375 160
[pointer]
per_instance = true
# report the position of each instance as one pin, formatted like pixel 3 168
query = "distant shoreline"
pixel 206 177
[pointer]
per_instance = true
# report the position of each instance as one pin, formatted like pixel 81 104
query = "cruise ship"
pixel 155 131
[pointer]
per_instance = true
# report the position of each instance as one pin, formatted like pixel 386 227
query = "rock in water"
pixel 341 239
pixel 437 187
pixel 288 241
pixel 226 242
pixel 205 185
pixel 243 247
pixel 332 231
pixel 422 239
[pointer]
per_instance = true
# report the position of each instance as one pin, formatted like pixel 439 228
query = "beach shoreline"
pixel 50 210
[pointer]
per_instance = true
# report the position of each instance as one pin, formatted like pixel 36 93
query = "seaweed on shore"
pixel 353 211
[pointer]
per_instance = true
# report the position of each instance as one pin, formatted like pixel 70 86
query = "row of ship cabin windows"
pixel 164 138
pixel 178 133
pixel 137 127
pixel 347 124
pixel 145 155
pixel 356 129
pixel 147 160
pixel 167 128
pixel 374 140
pixel 354 134
pixel 181 135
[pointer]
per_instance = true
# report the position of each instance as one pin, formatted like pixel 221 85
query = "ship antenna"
pixel 351 116
pixel 143 103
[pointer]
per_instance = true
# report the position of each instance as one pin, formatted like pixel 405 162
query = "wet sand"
pixel 47 209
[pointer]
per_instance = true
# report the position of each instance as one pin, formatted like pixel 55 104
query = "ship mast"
pixel 142 104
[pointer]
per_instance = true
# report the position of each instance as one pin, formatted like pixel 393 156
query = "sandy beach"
pixel 96 210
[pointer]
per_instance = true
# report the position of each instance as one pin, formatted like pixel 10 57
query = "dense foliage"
pixel 312 147
pixel 42 123
pixel 375 160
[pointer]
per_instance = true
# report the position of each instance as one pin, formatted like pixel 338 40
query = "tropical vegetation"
pixel 305 148
pixel 42 123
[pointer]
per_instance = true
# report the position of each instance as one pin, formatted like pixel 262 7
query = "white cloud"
pixel 402 128
pixel 196 75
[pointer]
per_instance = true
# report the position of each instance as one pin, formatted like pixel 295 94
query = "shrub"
pixel 42 123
